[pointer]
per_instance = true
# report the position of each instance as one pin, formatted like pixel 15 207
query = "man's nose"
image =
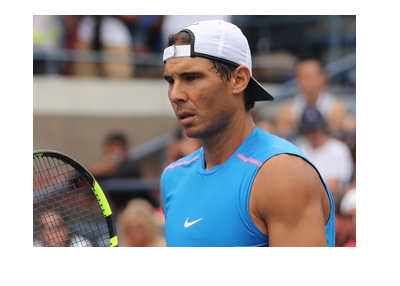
pixel 177 93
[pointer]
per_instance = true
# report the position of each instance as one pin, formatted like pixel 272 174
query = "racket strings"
pixel 66 213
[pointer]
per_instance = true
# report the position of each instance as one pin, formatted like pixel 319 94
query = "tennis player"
pixel 244 186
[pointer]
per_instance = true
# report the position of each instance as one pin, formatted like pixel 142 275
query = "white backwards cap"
pixel 221 41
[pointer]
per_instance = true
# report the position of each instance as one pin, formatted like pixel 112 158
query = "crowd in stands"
pixel 312 119
pixel 129 40
pixel 120 36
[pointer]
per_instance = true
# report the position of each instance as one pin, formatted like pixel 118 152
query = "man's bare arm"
pixel 289 198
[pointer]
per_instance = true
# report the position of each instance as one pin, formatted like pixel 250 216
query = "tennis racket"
pixel 69 207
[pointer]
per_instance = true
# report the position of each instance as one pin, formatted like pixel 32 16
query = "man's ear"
pixel 240 79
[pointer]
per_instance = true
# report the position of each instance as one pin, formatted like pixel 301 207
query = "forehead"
pixel 187 64
pixel 51 217
pixel 310 66
pixel 114 143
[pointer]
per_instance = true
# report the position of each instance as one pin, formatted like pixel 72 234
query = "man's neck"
pixel 220 147
pixel 312 98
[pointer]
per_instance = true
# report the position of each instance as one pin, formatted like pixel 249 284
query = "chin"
pixel 192 133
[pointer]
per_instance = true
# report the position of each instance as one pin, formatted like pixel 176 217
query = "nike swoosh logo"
pixel 187 223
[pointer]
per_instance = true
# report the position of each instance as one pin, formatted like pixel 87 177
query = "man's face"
pixel 53 231
pixel 202 101
pixel 115 151
pixel 316 137
pixel 310 78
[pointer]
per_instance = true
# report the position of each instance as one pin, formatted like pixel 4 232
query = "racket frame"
pixel 98 192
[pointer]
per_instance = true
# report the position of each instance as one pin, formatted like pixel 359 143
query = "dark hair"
pixel 117 136
pixel 310 59
pixel 223 69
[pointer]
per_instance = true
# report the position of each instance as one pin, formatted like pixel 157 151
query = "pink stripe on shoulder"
pixel 182 163
pixel 249 160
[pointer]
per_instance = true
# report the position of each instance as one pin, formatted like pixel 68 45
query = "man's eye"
pixel 191 78
pixel 169 80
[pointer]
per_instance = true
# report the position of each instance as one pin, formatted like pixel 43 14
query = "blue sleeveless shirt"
pixel 211 207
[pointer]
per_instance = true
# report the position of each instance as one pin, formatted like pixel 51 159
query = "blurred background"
pixel 99 95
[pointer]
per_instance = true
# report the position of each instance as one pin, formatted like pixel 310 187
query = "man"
pixel 55 232
pixel 243 187
pixel 115 162
pixel 311 81
pixel 331 156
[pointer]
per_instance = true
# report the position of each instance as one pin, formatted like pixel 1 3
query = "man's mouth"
pixel 185 117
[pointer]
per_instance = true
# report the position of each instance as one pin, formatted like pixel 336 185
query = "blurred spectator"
pixel 147 39
pixel 181 147
pixel 277 33
pixel 109 34
pixel 138 225
pixel 331 156
pixel 71 23
pixel 48 33
pixel 342 226
pixel 55 232
pixel 146 33
pixel 311 80
pixel 348 211
pixel 342 231
pixel 115 162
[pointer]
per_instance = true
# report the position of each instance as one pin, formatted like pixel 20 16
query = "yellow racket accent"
pixel 102 199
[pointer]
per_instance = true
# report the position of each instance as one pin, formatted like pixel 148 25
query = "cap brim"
pixel 260 94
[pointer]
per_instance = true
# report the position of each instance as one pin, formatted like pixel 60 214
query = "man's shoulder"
pixel 286 177
pixel 266 145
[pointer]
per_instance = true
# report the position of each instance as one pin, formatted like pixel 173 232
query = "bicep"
pixel 301 226
pixel 289 195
